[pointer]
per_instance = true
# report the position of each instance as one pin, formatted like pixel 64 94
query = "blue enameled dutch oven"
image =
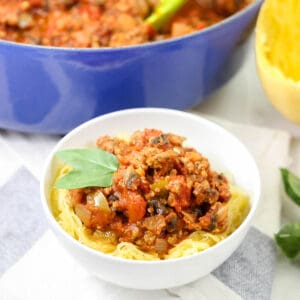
pixel 52 90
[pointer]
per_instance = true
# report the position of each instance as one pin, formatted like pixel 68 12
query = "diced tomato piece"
pixel 133 204
pixel 36 3
pixel 201 25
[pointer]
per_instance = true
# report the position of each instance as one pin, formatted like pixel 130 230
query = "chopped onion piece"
pixel 101 201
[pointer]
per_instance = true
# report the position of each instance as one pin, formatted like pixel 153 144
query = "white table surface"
pixel 241 100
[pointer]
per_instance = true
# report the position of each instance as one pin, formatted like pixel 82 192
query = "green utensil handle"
pixel 164 12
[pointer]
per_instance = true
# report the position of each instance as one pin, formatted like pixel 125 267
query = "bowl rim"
pixel 55 225
pixel 143 46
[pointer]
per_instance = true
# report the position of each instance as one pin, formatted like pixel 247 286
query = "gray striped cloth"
pixel 47 272
pixel 248 272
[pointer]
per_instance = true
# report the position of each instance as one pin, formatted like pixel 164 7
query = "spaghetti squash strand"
pixel 238 208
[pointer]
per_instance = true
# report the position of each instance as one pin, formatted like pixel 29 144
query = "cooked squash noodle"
pixel 238 208
pixel 282 45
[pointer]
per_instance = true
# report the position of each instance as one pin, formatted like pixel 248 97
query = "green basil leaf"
pixel 89 158
pixel 288 239
pixel 76 179
pixel 291 185
pixel 91 167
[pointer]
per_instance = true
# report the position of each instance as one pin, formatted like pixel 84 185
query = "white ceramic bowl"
pixel 225 153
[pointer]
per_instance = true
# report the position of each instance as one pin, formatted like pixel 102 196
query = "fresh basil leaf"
pixel 288 239
pixel 91 167
pixel 291 185
pixel 89 158
pixel 76 179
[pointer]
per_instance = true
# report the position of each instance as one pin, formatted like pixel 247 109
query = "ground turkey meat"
pixel 161 193
pixel 102 23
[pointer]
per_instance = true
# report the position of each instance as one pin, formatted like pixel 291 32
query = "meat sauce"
pixel 103 23
pixel 161 193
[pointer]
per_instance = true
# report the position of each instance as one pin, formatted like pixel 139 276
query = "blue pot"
pixel 52 90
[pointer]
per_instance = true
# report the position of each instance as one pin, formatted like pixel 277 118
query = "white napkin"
pixel 47 271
